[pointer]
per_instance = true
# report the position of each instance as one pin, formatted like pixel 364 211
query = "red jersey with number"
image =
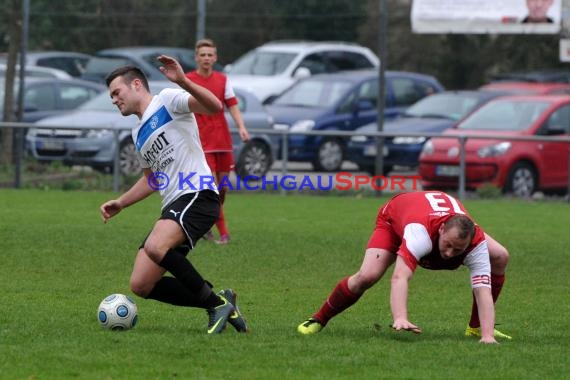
pixel 412 221
pixel 214 131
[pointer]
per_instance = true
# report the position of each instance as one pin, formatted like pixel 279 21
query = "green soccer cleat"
pixel 476 332
pixel 310 326
pixel 219 315
pixel 236 318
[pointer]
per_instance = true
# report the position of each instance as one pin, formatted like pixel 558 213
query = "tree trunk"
pixel 14 34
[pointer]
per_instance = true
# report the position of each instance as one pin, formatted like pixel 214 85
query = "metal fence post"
pixel 462 140
pixel 568 185
pixel 116 166
pixel 284 157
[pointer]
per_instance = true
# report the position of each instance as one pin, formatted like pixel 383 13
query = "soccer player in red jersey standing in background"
pixel 433 230
pixel 214 131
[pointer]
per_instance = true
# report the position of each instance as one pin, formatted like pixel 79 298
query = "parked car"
pixel 71 62
pixel 433 114
pixel 545 76
pixel 143 57
pixel 96 147
pixel 518 167
pixel 342 101
pixel 528 87
pixel 36 72
pixel 271 68
pixel 45 97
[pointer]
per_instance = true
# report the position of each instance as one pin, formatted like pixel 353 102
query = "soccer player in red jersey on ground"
pixel 433 230
pixel 214 130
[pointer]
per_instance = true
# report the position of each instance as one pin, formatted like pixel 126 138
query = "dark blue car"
pixel 341 101
pixel 432 114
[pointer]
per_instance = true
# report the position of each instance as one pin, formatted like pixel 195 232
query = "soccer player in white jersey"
pixel 433 230
pixel 173 162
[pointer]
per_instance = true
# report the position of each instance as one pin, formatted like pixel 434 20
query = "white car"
pixel 36 72
pixel 271 68
pixel 96 147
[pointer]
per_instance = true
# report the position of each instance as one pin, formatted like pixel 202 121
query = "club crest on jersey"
pixel 153 122
pixel 156 121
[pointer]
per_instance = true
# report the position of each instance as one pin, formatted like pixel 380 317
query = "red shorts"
pixel 220 161
pixel 384 237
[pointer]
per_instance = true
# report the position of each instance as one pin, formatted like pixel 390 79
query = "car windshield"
pixel 445 106
pixel 186 59
pixel 505 115
pixel 313 93
pixel 101 102
pixel 262 63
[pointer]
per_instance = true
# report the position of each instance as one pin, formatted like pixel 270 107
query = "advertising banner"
pixel 486 16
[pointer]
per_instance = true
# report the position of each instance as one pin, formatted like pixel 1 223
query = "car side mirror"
pixel 269 99
pixel 302 72
pixel 363 105
pixel 30 107
pixel 555 131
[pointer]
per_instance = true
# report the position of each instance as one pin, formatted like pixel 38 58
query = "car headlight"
pixel 427 148
pixel 281 127
pixel 494 150
pixel 302 126
pixel 408 140
pixel 96 133
pixel 359 139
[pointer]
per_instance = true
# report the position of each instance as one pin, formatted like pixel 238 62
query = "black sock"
pixel 189 277
pixel 170 290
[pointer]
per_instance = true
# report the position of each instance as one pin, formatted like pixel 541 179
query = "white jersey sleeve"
pixel 176 100
pixel 417 240
pixel 229 90
pixel 479 266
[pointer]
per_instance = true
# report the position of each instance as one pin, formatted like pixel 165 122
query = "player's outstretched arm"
pixel 399 297
pixel 486 309
pixel 140 190
pixel 202 99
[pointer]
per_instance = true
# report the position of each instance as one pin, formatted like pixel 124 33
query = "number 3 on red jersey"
pixel 441 202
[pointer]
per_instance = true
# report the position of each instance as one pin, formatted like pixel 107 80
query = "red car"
pixel 518 167
pixel 538 88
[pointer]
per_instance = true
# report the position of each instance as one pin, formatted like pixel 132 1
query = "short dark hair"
pixel 465 226
pixel 204 42
pixel 129 73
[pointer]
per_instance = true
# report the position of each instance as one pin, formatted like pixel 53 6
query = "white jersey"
pixel 168 142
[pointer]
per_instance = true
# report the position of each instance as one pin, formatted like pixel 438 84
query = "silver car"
pixel 96 147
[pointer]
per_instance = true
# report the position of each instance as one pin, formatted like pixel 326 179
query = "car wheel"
pixel 254 160
pixel 522 180
pixel 329 156
pixel 128 160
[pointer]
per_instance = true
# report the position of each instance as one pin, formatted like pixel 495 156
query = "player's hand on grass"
pixel 110 209
pixel 403 324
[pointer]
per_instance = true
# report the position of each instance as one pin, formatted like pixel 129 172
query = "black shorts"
pixel 196 213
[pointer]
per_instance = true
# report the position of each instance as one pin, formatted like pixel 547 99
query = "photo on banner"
pixel 486 16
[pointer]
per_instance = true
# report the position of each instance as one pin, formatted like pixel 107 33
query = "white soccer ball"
pixel 117 312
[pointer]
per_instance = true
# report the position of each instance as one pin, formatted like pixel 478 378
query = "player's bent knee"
pixel 499 258
pixel 362 281
pixel 140 288
pixel 154 252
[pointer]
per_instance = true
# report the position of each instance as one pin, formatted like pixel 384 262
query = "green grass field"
pixel 59 261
